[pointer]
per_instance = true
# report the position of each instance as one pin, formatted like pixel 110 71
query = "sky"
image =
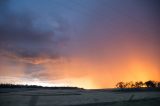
pixel 83 43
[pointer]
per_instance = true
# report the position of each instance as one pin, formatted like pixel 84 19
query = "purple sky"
pixel 64 42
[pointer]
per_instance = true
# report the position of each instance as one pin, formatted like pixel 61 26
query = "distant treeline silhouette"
pixel 138 84
pixel 34 86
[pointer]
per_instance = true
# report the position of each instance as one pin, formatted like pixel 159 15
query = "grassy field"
pixel 141 102
pixel 77 97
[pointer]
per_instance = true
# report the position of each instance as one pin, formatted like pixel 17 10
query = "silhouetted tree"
pixel 121 85
pixel 158 84
pixel 150 84
pixel 139 84
pixel 129 84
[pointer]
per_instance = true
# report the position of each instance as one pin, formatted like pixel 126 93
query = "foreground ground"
pixel 37 97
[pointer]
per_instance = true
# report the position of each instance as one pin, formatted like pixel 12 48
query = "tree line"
pixel 2 85
pixel 138 84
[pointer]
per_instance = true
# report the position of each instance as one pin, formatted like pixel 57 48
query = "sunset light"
pixel 88 44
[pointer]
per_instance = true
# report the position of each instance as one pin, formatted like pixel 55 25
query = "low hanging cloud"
pixel 103 39
pixel 29 38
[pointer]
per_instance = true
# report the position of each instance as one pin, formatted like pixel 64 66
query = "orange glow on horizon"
pixel 49 43
pixel 84 73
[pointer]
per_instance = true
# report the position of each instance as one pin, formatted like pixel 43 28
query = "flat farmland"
pixel 48 97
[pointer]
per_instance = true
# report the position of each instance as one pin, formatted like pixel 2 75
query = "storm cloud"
pixel 69 41
pixel 29 37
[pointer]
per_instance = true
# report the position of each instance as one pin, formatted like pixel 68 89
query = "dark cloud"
pixel 35 71
pixel 105 38
pixel 27 36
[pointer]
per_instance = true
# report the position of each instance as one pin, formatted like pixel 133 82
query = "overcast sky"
pixel 84 43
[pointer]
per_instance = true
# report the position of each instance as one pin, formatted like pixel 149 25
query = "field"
pixel 77 97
